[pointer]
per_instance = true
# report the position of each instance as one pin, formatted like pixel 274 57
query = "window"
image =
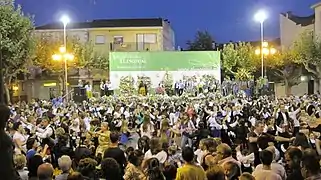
pixel 118 39
pixel 100 39
pixel 150 38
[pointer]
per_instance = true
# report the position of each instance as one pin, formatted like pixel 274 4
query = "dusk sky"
pixel 225 19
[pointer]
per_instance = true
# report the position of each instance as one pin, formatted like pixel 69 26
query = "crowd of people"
pixel 209 137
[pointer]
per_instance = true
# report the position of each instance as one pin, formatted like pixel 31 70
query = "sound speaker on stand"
pixel 80 94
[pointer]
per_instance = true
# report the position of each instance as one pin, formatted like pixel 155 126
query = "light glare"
pixel 65 19
pixel 260 16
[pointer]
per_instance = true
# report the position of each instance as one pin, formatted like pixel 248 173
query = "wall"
pixel 317 22
pixel 290 31
pixel 81 34
pixel 297 90
pixel 129 37
pixel 168 37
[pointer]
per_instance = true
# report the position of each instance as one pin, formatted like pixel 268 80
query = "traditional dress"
pixel 104 141
pixel 142 89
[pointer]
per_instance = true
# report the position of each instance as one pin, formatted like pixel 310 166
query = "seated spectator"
pixel 215 173
pixel 20 163
pixel 111 169
pixel 45 172
pixel 266 173
pixel 64 163
pixel 190 171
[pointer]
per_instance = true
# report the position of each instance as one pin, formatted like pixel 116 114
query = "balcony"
pixel 133 46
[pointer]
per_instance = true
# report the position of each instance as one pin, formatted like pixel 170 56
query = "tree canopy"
pixel 240 60
pixel 84 56
pixel 284 68
pixel 16 39
pixel 308 47
pixel 203 41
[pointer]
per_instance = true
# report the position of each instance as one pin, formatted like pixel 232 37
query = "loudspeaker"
pixel 80 94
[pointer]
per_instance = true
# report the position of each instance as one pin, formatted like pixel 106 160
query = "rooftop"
pixel 299 20
pixel 105 23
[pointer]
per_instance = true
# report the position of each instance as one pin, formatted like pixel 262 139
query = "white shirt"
pixel 44 133
pixel 292 115
pixel 148 132
pixel 161 156
pixel 213 123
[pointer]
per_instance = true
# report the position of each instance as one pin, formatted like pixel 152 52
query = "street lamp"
pixel 65 20
pixel 260 17
pixel 63 55
pixel 265 50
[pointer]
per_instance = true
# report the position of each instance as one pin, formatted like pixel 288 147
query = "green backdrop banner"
pixel 164 61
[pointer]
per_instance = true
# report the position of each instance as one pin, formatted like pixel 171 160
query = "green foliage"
pixel 308 48
pixel 240 60
pixel 284 68
pixel 203 42
pixel 84 57
pixel 89 59
pixel 126 85
pixel 16 39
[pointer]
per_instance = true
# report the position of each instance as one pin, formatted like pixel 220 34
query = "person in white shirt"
pixel 156 151
pixel 181 87
pixel 46 131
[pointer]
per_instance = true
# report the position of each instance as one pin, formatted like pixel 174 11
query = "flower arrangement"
pixel 126 85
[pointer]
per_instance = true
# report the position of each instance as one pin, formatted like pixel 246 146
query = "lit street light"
pixel 63 55
pixel 265 50
pixel 65 20
pixel 260 17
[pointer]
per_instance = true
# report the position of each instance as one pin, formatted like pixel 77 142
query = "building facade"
pixel 106 35
pixel 291 27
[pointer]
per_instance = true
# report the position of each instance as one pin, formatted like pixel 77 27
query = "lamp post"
pixel 263 51
pixel 65 20
pixel 63 55
pixel 261 16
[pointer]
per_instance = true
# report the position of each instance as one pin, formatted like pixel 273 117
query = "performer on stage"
pixel 88 90
pixel 142 89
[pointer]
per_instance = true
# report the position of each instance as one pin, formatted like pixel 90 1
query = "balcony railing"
pixel 132 46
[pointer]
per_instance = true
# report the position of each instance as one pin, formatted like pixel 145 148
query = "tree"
pixel 203 42
pixel 239 60
pixel 16 42
pixel 308 47
pixel 282 66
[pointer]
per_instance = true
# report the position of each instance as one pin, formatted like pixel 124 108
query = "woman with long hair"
pixel 153 170
pixel 156 151
pixel 147 128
